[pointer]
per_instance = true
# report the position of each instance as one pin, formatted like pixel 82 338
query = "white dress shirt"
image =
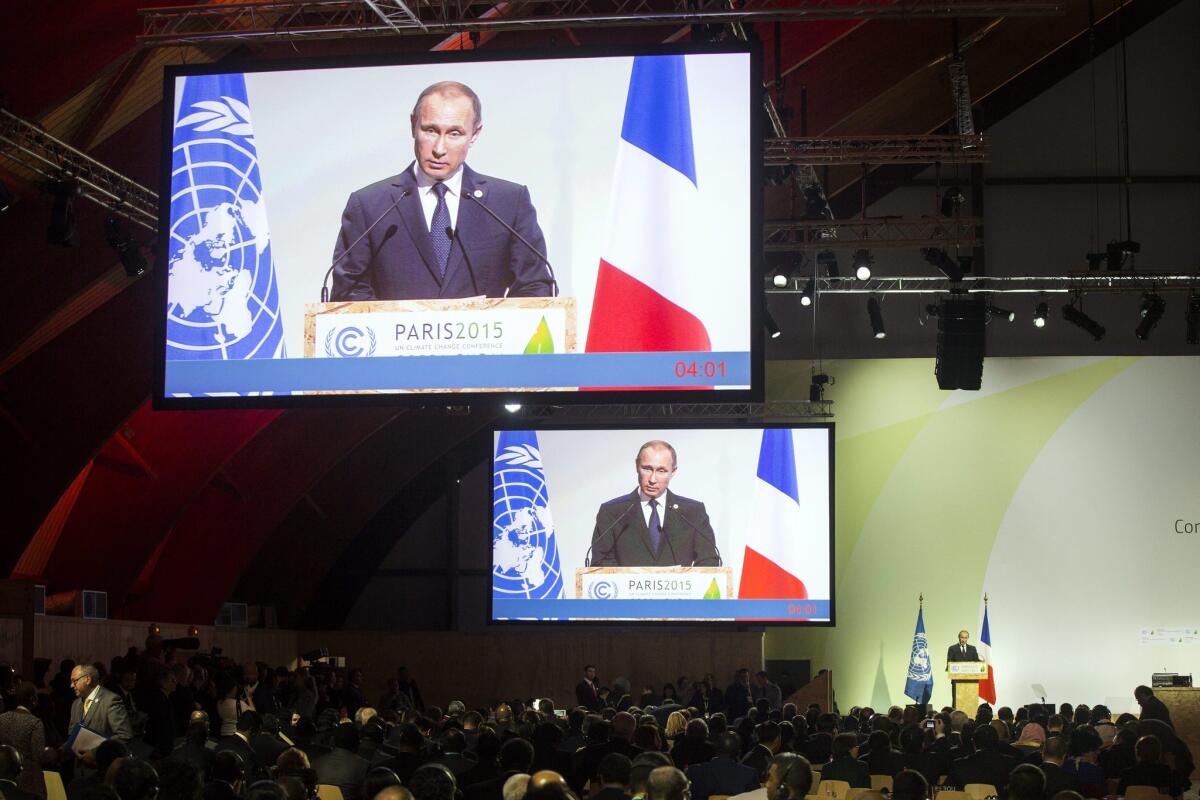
pixel 662 508
pixel 429 197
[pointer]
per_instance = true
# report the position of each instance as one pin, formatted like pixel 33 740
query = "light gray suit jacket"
pixel 106 716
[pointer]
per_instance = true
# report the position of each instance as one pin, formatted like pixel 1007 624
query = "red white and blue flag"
pixel 778 543
pixel 647 283
pixel 987 687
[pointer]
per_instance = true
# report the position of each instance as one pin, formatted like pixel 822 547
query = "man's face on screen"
pixel 655 468
pixel 443 131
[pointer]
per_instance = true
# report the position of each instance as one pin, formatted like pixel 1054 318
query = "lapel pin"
pixel 478 193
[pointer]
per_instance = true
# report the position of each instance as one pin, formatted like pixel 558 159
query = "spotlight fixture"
pixel 1003 313
pixel 952 201
pixel 875 313
pixel 63 230
pixel 127 249
pixel 862 264
pixel 7 198
pixel 949 267
pixel 1039 315
pixel 816 389
pixel 773 329
pixel 828 260
pixel 1151 312
pixel 1192 316
pixel 1076 316
pixel 1116 253
pixel 1096 260
pixel 512 408
pixel 806 296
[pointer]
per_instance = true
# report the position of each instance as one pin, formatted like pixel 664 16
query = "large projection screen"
pixel 598 235
pixel 743 533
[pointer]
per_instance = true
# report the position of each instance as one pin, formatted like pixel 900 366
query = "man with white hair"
pixel 516 786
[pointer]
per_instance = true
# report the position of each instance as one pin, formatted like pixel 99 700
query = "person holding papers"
pixel 97 710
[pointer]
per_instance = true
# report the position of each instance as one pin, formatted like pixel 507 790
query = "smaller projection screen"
pixel 573 225
pixel 667 524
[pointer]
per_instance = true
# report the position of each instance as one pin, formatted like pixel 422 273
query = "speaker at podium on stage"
pixel 965 669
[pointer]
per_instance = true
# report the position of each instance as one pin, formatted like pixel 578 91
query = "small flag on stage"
pixel 525 561
pixel 919 685
pixel 987 687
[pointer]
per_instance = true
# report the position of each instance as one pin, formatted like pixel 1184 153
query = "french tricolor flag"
pixel 647 278
pixel 778 544
pixel 987 687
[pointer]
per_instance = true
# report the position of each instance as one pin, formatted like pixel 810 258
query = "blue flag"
pixel 919 685
pixel 222 294
pixel 525 562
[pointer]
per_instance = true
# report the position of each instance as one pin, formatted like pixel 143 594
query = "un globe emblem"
pixel 222 296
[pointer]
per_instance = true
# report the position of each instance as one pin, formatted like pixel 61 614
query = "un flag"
pixel 525 561
pixel 222 295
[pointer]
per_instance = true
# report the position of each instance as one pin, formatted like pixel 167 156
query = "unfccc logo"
pixel 349 342
pixel 602 590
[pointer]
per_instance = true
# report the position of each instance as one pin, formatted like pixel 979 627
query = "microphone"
pixel 453 236
pixel 553 281
pixel 711 539
pixel 389 234
pixel 587 561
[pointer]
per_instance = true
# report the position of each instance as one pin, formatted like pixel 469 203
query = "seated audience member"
pixel 1054 753
pixel 666 783
pixel 639 774
pixel 613 775
pixel 909 784
pixel 515 787
pixel 306 739
pixel 487 765
pixel 228 777
pixel 1120 755
pixel 768 742
pixel 844 764
pixel 293 763
pixel 135 779
pixel 408 752
pixel 548 785
pixel 454 756
pixel 195 749
pixel 179 780
pixel 10 771
pixel 1084 761
pixel 265 790
pixel 378 779
pixel 693 747
pixel 432 782
pixel 985 765
pixel 792 773
pixel 1031 739
pixel 722 774
pixel 915 757
pixel 247 727
pixel 294 788
pixel 881 759
pixel 343 767
pixel 1149 769
pixel 1066 794
pixel 516 758
pixel 1026 782
pixel 267 744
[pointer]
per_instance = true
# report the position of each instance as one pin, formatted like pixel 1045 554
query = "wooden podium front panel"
pixel 1184 705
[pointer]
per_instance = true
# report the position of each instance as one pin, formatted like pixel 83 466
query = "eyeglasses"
pixel 77 680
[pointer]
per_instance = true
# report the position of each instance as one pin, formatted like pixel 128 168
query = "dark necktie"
pixel 438 229
pixel 963 648
pixel 655 526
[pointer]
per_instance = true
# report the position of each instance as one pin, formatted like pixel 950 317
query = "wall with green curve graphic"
pixel 1064 489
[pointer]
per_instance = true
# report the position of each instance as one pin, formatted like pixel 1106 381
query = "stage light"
pixel 806 296
pixel 1004 313
pixel 1151 312
pixel 952 201
pixel 63 230
pixel 512 408
pixel 128 251
pixel 7 198
pixel 1096 260
pixel 1193 318
pixel 948 266
pixel 862 264
pixel 816 389
pixel 772 326
pixel 1116 253
pixel 828 260
pixel 779 279
pixel 1077 317
pixel 875 314
pixel 816 206
pixel 1039 315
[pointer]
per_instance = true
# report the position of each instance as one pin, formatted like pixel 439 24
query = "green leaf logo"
pixel 541 341
pixel 714 592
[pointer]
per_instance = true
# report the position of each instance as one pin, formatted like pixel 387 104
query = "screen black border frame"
pixel 754 394
pixel 542 425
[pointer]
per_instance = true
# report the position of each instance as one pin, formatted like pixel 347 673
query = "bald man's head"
pixel 666 783
pixel 394 793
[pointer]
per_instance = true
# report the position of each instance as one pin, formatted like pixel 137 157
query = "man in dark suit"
pixel 759 757
pixel 844 764
pixel 98 708
pixel 343 766
pixel 985 765
pixel 516 757
pixel 1054 753
pixel 962 651
pixel 613 773
pixel 881 758
pixel 249 725
pixel 587 693
pixel 1152 707
pixel 666 531
pixel 441 241
pixel 722 775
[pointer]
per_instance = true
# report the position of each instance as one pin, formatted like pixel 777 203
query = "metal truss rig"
pixel 872 232
pixel 1130 281
pixel 777 410
pixel 877 150
pixel 342 19
pixel 28 146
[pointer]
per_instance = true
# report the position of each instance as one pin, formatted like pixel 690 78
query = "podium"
pixel 654 583
pixel 964 683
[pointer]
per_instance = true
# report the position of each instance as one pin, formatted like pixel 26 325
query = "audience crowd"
pixel 209 729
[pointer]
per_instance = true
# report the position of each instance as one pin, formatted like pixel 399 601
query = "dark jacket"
pixel 721 776
pixel 343 769
pixel 848 769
